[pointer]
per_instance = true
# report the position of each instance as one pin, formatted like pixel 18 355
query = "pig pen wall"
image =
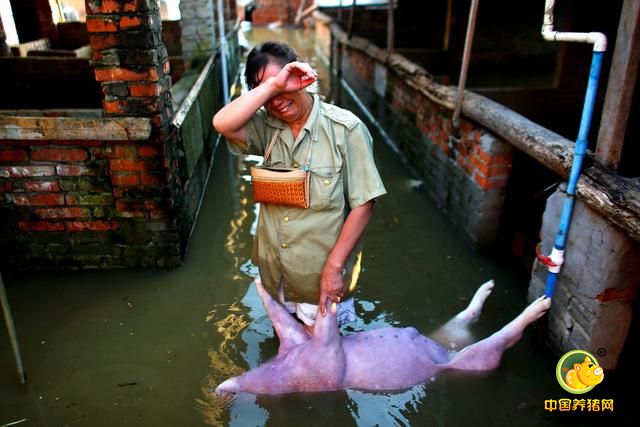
pixel 78 190
pixel 466 172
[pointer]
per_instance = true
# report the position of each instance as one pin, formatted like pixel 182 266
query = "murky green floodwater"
pixel 146 347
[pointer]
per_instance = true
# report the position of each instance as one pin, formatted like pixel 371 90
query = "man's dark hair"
pixel 259 57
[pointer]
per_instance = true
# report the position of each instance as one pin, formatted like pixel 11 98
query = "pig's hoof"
pixel 536 309
pixel 472 312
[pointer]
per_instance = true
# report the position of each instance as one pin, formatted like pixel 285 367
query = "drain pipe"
pixel 223 53
pixel 556 258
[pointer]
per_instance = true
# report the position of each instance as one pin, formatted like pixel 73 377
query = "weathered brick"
pixel 89 199
pixel 114 106
pixel 40 226
pixel 127 165
pixel 103 6
pixel 480 165
pixel 41 186
pixel 147 89
pixel 115 89
pixel 59 155
pixel 13 156
pixel 128 22
pixel 6 187
pixel 147 179
pixel 124 74
pixel 143 39
pixel 140 6
pixel 126 209
pixel 487 183
pixel 26 171
pixel 73 170
pixel 45 199
pixel 149 151
pixel 96 249
pixel 101 24
pixel 139 107
pixel 57 213
pixel 92 225
pixel 125 180
pixel 127 151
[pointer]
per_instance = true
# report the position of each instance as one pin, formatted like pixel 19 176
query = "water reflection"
pixel 386 409
pixel 247 336
pixel 415 272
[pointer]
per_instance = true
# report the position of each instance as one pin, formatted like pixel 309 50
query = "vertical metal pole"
pixel 447 26
pixel 338 95
pixel 223 53
pixel 390 28
pixel 351 13
pixel 4 301
pixel 471 27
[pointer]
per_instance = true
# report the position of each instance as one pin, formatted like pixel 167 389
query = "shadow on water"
pixel 147 347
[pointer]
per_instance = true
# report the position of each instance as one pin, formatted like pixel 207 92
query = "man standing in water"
pixel 305 255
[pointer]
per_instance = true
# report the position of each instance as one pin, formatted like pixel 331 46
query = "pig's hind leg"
pixel 455 334
pixel 289 331
pixel 486 354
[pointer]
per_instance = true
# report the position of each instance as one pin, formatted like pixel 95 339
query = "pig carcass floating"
pixel 380 359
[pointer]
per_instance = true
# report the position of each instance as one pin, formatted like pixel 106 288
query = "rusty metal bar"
pixel 468 42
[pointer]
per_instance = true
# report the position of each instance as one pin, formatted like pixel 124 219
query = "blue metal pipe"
pixel 579 153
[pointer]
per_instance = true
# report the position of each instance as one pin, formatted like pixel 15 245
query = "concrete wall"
pixel 592 304
pixel 198 29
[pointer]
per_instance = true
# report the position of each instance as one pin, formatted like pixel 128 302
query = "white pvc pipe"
pixel 598 40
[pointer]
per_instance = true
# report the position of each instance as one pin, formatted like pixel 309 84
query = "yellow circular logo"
pixel 578 372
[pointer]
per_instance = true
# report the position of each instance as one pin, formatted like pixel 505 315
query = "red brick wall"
pixel 465 170
pixel 268 11
pixel 87 203
pixel 490 171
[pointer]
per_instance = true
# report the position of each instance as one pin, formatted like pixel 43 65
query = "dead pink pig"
pixel 380 359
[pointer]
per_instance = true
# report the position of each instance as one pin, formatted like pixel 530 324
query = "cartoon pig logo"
pixel 578 372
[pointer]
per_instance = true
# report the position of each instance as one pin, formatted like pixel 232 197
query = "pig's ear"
pixel 587 359
pixel 577 366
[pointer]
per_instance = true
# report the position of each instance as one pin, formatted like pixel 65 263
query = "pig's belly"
pixel 390 359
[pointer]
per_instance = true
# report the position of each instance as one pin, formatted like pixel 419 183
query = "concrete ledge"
pixel 74 128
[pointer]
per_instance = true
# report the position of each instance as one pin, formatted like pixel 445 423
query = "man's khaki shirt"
pixel 293 243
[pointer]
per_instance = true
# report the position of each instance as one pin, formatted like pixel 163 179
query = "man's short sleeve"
pixel 363 180
pixel 257 133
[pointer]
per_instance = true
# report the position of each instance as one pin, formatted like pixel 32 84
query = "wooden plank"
pixel 75 128
pixel 622 79
pixel 614 197
pixel 547 147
